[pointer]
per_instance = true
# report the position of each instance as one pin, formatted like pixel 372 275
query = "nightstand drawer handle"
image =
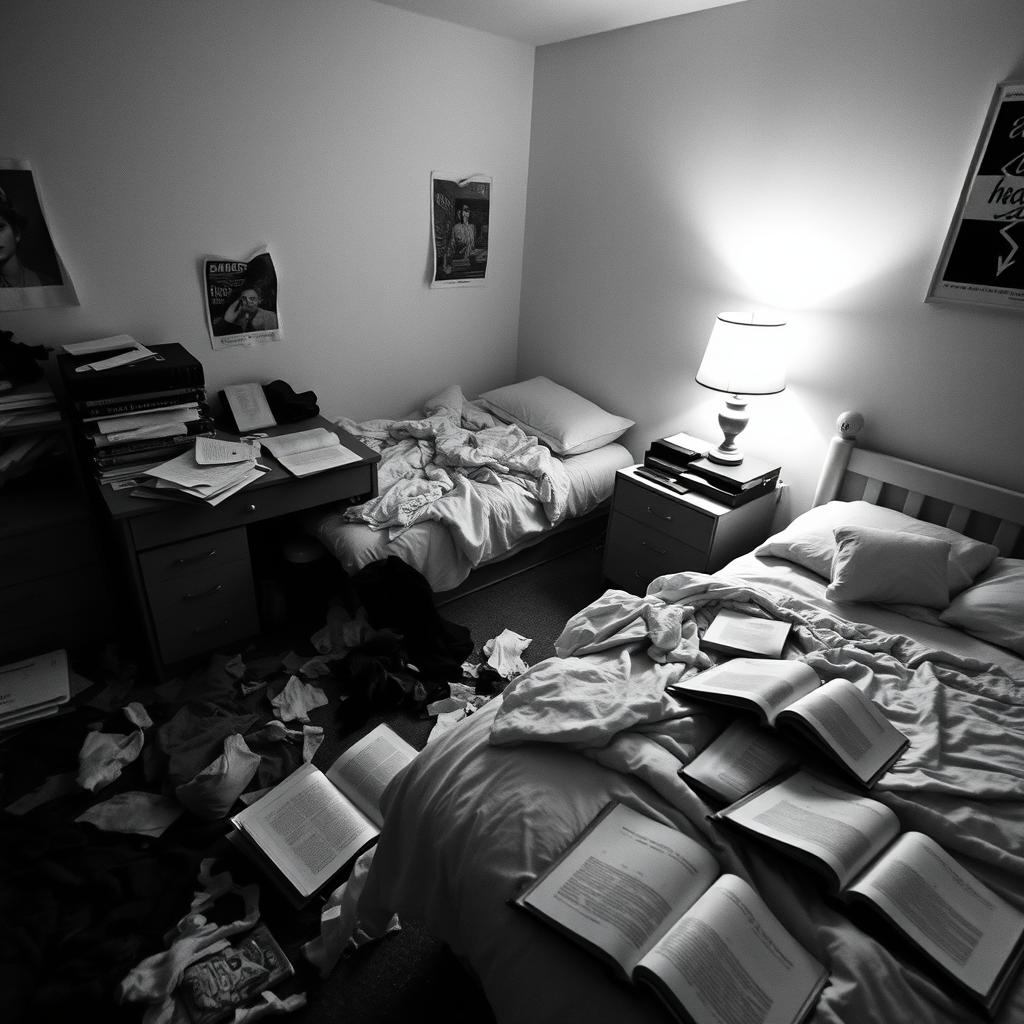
pixel 207 629
pixel 203 593
pixel 653 547
pixel 659 515
pixel 196 558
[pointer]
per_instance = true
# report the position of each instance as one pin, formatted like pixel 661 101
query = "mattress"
pixel 514 520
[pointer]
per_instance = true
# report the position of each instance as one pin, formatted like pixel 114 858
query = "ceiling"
pixel 552 21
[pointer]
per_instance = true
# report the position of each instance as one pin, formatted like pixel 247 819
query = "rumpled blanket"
pixel 430 466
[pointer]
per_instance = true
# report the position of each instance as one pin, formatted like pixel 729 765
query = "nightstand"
pixel 653 530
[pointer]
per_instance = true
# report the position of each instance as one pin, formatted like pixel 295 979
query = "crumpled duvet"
pixel 431 465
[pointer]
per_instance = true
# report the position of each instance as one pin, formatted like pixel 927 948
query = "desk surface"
pixel 122 505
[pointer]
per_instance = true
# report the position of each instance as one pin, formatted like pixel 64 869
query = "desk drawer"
pixel 202 610
pixel 252 504
pixel 662 513
pixel 634 554
pixel 196 555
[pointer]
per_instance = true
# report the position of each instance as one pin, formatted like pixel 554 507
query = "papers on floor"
pixel 309 451
pixel 184 477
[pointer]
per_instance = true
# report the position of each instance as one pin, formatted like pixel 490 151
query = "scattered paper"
pixel 147 814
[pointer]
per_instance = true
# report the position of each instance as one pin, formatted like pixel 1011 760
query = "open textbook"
pixel 959 924
pixel 311 824
pixel 651 902
pixel 309 451
pixel 835 717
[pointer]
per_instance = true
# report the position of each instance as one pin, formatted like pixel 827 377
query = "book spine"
pixel 175 367
pixel 144 402
pixel 188 429
pixel 733 499
pixel 728 484
pixel 673 453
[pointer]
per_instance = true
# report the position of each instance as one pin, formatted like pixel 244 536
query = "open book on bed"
pixel 651 903
pixel 963 928
pixel 836 718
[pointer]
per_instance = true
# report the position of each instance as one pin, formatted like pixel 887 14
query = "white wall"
pixel 164 131
pixel 804 155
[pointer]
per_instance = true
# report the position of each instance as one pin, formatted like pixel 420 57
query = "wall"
pixel 166 131
pixel 802 155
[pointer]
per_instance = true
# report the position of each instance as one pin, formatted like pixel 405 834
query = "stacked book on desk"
pixel 134 406
pixel 682 460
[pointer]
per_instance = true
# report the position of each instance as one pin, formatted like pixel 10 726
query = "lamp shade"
pixel 745 355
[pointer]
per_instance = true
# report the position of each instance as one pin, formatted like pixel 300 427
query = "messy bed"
pixel 492 802
pixel 464 483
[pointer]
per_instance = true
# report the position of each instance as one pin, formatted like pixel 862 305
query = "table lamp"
pixel 744 357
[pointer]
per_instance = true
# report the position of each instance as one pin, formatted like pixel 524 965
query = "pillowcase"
pixel 993 609
pixel 888 568
pixel 809 540
pixel 567 423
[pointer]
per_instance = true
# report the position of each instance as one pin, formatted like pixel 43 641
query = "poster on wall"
pixel 982 261
pixel 241 300
pixel 32 274
pixel 460 220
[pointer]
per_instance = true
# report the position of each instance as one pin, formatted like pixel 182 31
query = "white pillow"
pixel 810 539
pixel 566 422
pixel 993 609
pixel 889 568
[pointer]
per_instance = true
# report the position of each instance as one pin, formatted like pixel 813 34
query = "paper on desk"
pixel 309 451
pixel 212 451
pixel 185 472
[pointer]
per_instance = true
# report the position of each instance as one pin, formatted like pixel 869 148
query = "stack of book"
pixel 134 407
pixel 681 461
pixel 28 417
pixel 33 688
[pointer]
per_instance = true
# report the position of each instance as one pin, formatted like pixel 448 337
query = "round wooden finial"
pixel 849 424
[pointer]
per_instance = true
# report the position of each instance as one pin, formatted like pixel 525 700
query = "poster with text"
pixel 32 274
pixel 241 300
pixel 460 219
pixel 982 261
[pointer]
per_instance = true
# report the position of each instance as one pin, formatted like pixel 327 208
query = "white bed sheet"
pixel 469 823
pixel 513 520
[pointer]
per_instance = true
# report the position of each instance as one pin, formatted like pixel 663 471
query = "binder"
pixel 174 368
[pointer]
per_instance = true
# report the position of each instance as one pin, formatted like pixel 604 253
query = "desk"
pixel 189 566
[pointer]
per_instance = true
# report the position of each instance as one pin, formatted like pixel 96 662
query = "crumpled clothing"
pixel 214 790
pixel 147 814
pixel 297 699
pixel 504 653
pixel 195 735
pixel 104 754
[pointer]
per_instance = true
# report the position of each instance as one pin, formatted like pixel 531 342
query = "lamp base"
pixel 732 419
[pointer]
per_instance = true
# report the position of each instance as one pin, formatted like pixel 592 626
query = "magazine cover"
pixel 241 300
pixel 460 215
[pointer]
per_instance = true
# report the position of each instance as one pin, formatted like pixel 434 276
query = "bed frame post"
pixel 838 457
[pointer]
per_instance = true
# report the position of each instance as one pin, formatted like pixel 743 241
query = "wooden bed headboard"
pixel 979 510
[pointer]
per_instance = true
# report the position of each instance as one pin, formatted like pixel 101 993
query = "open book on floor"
pixel 310 825
pixel 973 936
pixel 836 718
pixel 652 903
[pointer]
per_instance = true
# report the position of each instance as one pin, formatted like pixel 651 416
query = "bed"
pixel 465 483
pixel 492 802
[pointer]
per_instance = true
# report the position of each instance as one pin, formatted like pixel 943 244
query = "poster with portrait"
pixel 982 261
pixel 32 274
pixel 241 300
pixel 460 222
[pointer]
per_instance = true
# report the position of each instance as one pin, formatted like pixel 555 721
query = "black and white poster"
pixel 241 300
pixel 32 274
pixel 460 221
pixel 982 261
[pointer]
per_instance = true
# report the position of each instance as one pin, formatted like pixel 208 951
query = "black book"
pixel 702 485
pixel 172 367
pixel 680 450
pixel 168 448
pixel 751 472
pixel 146 401
pixel 103 444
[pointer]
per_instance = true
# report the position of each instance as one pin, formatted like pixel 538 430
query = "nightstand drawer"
pixel 660 512
pixel 203 609
pixel 634 554
pixel 197 554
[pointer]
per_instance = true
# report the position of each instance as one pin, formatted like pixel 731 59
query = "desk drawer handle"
pixel 195 558
pixel 653 547
pixel 204 593
pixel 207 629
pixel 250 508
pixel 659 515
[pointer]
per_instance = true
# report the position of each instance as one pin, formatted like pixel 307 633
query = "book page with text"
pixel 623 883
pixel 739 760
pixel 770 684
pixel 364 771
pixel 949 913
pixel 852 725
pixel 307 828
pixel 731 959
pixel 309 451
pixel 842 829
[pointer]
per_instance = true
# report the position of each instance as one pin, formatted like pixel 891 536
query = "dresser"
pixel 653 530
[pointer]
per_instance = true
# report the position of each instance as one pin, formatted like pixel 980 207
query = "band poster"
pixel 459 217
pixel 241 300
pixel 32 274
pixel 982 260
